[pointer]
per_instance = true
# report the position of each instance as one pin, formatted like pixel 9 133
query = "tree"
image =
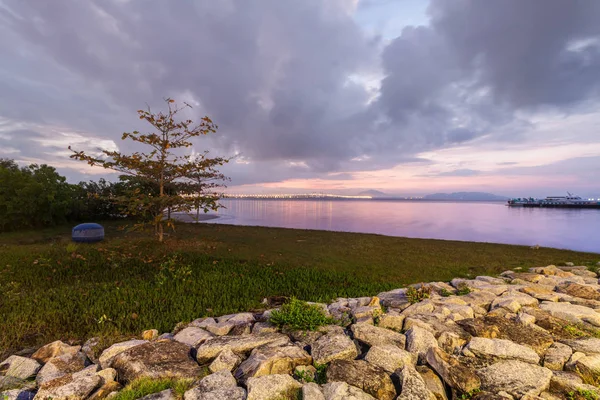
pixel 168 178
pixel 33 196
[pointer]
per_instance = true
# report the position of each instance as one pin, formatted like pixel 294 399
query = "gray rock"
pixel 514 301
pixel 238 344
pixel 568 382
pixel 312 391
pixel 73 386
pixel 108 375
pixel 343 391
pixel 193 336
pixel 264 327
pixel 333 346
pixel 166 394
pixel 388 357
pixel 587 292
pixel 20 368
pixel 391 320
pixel 227 360
pixel 587 346
pixel 456 375
pixel 217 386
pixel 17 394
pixel 479 298
pixel 419 341
pixel 375 336
pixel 557 356
pixel 433 382
pixel 502 349
pixel 515 377
pixel 589 365
pixel 244 317
pixel 229 393
pixel 369 378
pixel 91 349
pixel 413 385
pixel 60 366
pixel 571 312
pixel 273 387
pixel 156 360
pixel 54 349
pixel 110 353
pixel 218 380
pixel 272 360
pixel 106 389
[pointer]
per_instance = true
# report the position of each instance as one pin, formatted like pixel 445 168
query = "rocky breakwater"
pixel 522 335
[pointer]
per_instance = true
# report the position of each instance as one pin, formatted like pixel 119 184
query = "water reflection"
pixel 482 222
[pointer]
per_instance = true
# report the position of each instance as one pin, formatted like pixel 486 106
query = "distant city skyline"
pixel 407 97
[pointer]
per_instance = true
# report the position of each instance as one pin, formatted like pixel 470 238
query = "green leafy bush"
pixel 299 315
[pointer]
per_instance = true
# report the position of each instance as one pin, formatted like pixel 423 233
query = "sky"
pixel 408 97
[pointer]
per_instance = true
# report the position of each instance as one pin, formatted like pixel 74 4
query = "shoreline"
pixel 517 334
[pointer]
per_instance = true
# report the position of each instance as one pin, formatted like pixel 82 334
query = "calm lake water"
pixel 472 221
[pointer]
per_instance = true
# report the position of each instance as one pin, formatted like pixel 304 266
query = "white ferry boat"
pixel 569 201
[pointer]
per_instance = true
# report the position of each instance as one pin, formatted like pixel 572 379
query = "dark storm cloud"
pixel 280 77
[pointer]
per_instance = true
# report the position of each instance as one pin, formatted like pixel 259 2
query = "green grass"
pixel 118 288
pixel 145 386
pixel 301 316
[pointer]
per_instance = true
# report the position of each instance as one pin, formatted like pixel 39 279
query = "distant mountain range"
pixel 465 196
pixel 374 193
pixel 457 196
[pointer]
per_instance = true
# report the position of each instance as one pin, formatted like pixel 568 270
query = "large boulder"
pixel 218 386
pixel 333 346
pixel 388 357
pixel 156 360
pixel 58 367
pixel 107 356
pixel 391 320
pixel 16 368
pixel 433 382
pixel 517 378
pixel 369 378
pixel 227 360
pixel 578 290
pixel 193 336
pixel 375 336
pixel 557 356
pixel 588 365
pixel 456 375
pixel 238 344
pixel 587 346
pixel 273 387
pixel 419 341
pixel 54 349
pixel 272 360
pixel 571 312
pixel 502 328
pixel 501 349
pixel 413 385
pixel 73 386
pixel 312 391
pixel 343 391
pixel 513 301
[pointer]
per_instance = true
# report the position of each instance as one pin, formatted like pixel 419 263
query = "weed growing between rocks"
pixel 463 290
pixel 416 295
pixel 299 315
pixel 581 394
pixel 146 386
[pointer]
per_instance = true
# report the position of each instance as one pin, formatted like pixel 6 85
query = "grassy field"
pixel 51 289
